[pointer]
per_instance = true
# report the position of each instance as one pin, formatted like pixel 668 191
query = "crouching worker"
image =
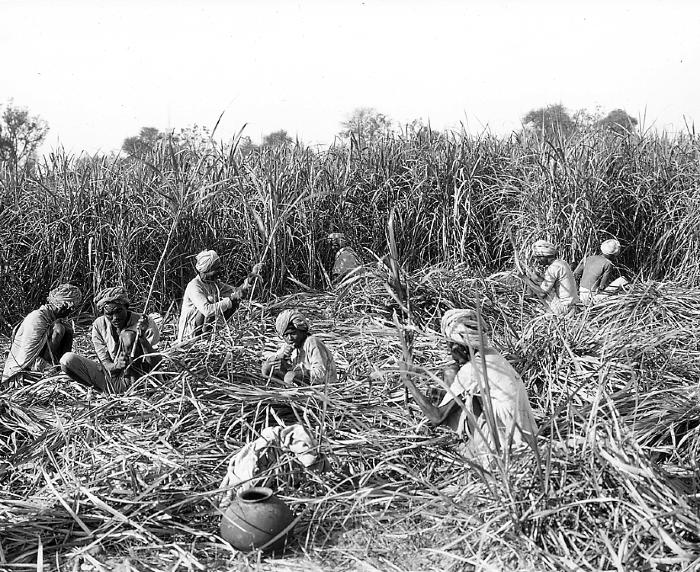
pixel 303 358
pixel 123 342
pixel 43 337
pixel 598 275
pixel 553 281
pixel 207 298
pixel 471 387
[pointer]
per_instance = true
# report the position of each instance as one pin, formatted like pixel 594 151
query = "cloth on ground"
pixel 588 296
pixel 246 467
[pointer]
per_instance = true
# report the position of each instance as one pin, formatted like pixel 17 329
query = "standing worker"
pixel 43 337
pixel 553 281
pixel 598 275
pixel 346 259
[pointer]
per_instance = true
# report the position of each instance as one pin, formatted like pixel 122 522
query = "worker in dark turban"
pixel 44 336
pixel 124 343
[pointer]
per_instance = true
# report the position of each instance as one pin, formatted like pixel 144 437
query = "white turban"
pixel 292 318
pixel 610 247
pixel 462 327
pixel 205 260
pixel 336 235
pixel 544 248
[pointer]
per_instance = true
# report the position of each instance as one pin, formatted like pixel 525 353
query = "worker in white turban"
pixel 207 300
pixel 552 279
pixel 598 275
pixel 486 401
pixel 44 336
pixel 303 358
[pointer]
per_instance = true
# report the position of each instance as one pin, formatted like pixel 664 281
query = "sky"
pixel 99 71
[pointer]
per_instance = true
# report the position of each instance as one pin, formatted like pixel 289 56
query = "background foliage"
pixel 95 221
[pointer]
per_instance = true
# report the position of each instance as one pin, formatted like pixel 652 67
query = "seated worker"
pixel 304 358
pixel 43 337
pixel 553 281
pixel 346 259
pixel 207 298
pixel 123 342
pixel 598 276
pixel 462 407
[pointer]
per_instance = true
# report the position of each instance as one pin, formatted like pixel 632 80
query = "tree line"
pixel 21 133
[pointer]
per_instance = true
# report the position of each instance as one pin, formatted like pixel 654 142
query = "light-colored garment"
pixel 509 401
pixel 346 260
pixel 254 458
pixel 589 297
pixel 105 337
pixel 28 342
pixel 106 342
pixel 206 298
pixel 313 358
pixel 560 287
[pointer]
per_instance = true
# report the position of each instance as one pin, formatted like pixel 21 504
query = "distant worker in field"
pixel 552 280
pixel 472 387
pixel 208 299
pixel 598 275
pixel 123 341
pixel 346 259
pixel 43 337
pixel 303 358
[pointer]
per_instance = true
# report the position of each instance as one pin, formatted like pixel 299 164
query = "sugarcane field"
pixel 135 470
pixel 355 286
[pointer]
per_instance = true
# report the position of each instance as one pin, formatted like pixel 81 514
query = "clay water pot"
pixel 254 518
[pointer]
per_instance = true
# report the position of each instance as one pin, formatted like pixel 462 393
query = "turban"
pixel 462 327
pixel 544 248
pixel 65 294
pixel 292 318
pixel 115 295
pixel 205 260
pixel 610 247
pixel 334 235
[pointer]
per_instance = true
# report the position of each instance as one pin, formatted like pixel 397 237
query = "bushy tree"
pixel 549 122
pixel 618 121
pixel 278 138
pixel 141 144
pixel 20 135
pixel 365 124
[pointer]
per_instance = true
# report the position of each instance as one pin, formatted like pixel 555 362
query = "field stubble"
pixel 95 482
